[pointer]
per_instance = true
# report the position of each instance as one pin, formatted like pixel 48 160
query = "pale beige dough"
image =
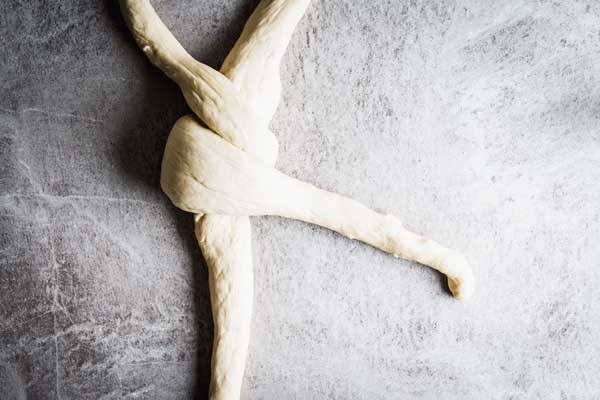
pixel 223 172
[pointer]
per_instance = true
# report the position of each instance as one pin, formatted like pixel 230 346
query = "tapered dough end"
pixel 461 280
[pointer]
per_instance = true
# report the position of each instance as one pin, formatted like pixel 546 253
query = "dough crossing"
pixel 219 165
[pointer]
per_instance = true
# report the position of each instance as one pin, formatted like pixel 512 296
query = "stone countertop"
pixel 476 122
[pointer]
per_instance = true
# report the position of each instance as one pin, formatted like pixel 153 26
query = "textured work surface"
pixel 475 122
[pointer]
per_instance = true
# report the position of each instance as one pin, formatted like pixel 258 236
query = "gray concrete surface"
pixel 476 122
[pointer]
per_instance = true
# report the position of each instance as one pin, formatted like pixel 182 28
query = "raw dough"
pixel 219 162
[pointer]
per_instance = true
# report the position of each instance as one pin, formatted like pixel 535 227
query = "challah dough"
pixel 219 164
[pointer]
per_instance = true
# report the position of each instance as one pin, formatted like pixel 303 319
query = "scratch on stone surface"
pixel 120 388
pixel 64 310
pixel 155 363
pixel 127 247
pixel 53 113
pixel 81 197
pixel 55 305
pixel 34 318
pixel 120 79
pixel 57 366
pixel 141 390
pixel 111 394
pixel 13 323
pixel 74 197
pixel 29 173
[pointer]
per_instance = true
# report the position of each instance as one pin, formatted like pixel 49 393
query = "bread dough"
pixel 219 164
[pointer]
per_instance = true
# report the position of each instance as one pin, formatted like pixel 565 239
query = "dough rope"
pixel 219 164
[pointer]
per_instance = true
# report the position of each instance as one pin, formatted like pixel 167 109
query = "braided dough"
pixel 219 163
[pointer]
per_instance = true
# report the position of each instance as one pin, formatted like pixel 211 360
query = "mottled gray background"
pixel 476 122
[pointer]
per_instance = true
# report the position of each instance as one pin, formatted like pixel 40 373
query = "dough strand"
pixel 219 164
